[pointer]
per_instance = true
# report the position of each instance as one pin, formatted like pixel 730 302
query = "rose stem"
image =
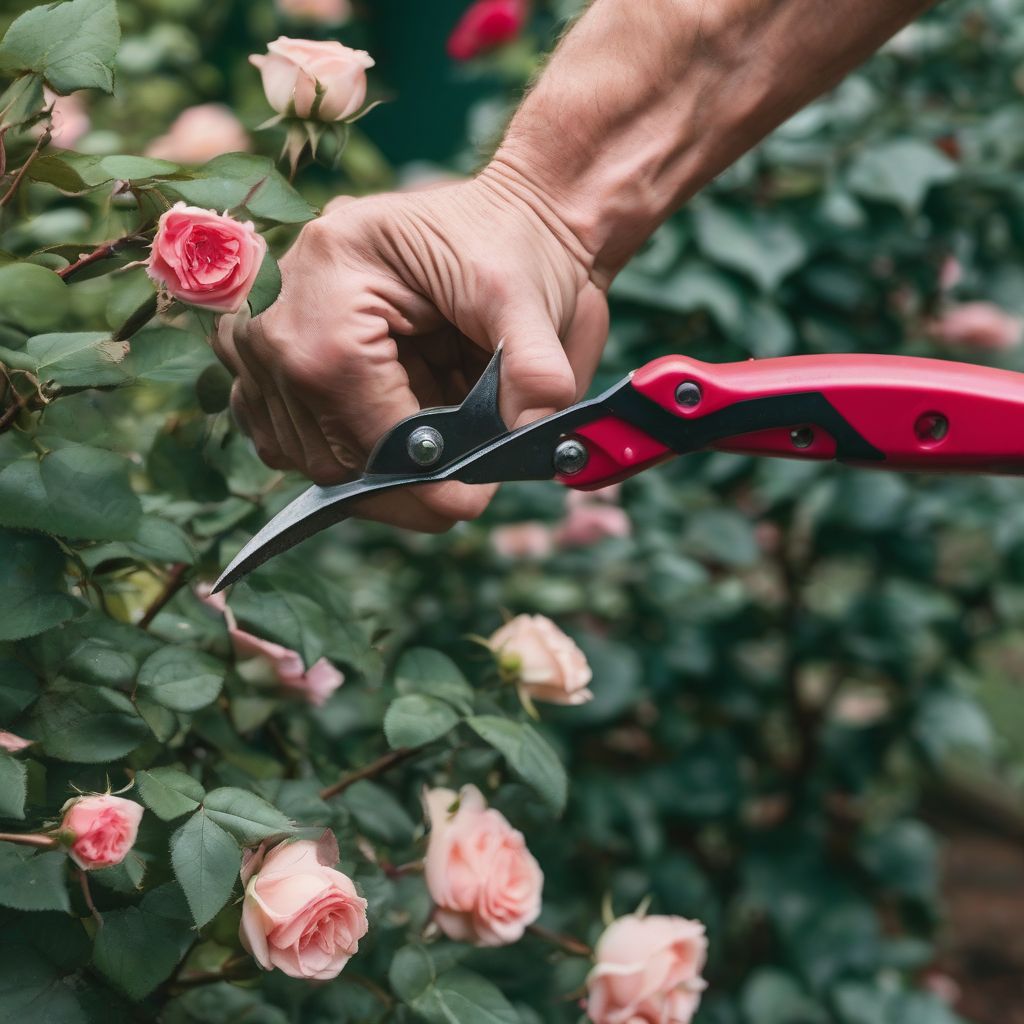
pixel 574 947
pixel 30 839
pixel 372 770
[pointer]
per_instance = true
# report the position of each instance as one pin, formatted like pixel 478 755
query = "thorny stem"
pixel 372 770
pixel 83 880
pixel 101 252
pixel 574 947
pixel 176 579
pixel 23 169
pixel 29 839
pixel 232 970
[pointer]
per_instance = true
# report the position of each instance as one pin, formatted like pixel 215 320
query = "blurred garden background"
pixel 807 729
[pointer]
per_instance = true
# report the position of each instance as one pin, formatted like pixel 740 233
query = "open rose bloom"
pixel 103 829
pixel 485 25
pixel 484 881
pixel 549 665
pixel 206 258
pixel 299 914
pixel 648 971
pixel 293 70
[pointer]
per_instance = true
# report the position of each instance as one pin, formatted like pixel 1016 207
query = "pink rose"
pixel 316 683
pixel 103 828
pixel 11 743
pixel 199 134
pixel 522 540
pixel 549 665
pixel 981 325
pixel 299 914
pixel 292 69
pixel 648 971
pixel 486 25
pixel 484 881
pixel 590 519
pixel 68 121
pixel 206 258
pixel 320 12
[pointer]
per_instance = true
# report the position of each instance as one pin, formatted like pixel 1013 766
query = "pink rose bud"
pixel 293 69
pixel 549 665
pixel 648 969
pixel 11 743
pixel 299 914
pixel 103 828
pixel 484 881
pixel 588 522
pixel 206 258
pixel 68 121
pixel 319 12
pixel 522 540
pixel 980 325
pixel 315 684
pixel 485 25
pixel 199 134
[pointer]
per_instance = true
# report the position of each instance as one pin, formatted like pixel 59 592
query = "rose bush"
pixel 721 713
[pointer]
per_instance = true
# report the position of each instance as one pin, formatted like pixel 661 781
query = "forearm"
pixel 645 101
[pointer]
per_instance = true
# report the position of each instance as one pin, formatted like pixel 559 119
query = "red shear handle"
pixel 890 412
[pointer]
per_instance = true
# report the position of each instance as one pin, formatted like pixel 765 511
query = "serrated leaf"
pixel 79 172
pixel 266 287
pixel 13 785
pixel 32 989
pixel 528 755
pixel 77 492
pixel 86 724
pixel 294 620
pixel 33 598
pixel 72 45
pixel 901 172
pixel 32 880
pixel 168 355
pixel 206 861
pixel 248 817
pixel 77 360
pixel 138 947
pixel 168 792
pixel 456 996
pixel 163 541
pixel 415 718
pixel 424 670
pixel 181 679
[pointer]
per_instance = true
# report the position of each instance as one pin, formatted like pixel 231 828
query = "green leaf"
pixel 32 594
pixel 378 813
pixel 227 181
pixel 901 172
pixel 32 296
pixel 78 492
pixel 13 785
pixel 168 355
pixel 31 989
pixel 72 45
pixel 181 679
pixel 415 718
pixel 97 660
pixel 206 861
pixel 773 997
pixel 266 287
pixel 168 792
pixel 30 880
pixel 86 724
pixel 426 671
pixel 294 620
pixel 248 817
pixel 86 359
pixel 163 541
pixel 21 103
pixel 79 172
pixel 138 947
pixel 18 685
pixel 455 996
pixel 528 754
pixel 948 722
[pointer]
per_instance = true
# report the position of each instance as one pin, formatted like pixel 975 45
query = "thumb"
pixel 536 378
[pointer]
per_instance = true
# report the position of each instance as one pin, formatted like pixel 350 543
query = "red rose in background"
pixel 487 24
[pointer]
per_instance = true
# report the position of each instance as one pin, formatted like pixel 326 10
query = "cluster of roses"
pixel 303 916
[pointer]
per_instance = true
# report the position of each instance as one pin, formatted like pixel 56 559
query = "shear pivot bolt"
pixel 802 437
pixel 425 446
pixel 688 394
pixel 570 457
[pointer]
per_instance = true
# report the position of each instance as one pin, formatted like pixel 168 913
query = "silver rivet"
pixel 802 437
pixel 425 446
pixel 688 394
pixel 570 457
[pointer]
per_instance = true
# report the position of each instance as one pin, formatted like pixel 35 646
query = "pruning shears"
pixel 881 411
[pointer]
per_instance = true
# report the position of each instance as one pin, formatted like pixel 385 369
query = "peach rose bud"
pixel 103 829
pixel 206 258
pixel 318 12
pixel 548 664
pixel 69 120
pixel 293 70
pixel 589 522
pixel 300 915
pixel 648 969
pixel 484 881
pixel 11 743
pixel 978 325
pixel 522 540
pixel 199 134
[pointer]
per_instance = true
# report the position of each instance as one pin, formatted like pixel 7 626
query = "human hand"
pixel 396 302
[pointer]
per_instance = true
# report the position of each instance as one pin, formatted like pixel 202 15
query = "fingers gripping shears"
pixel 887 412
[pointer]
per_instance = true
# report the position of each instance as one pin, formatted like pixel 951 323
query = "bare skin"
pixel 395 302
